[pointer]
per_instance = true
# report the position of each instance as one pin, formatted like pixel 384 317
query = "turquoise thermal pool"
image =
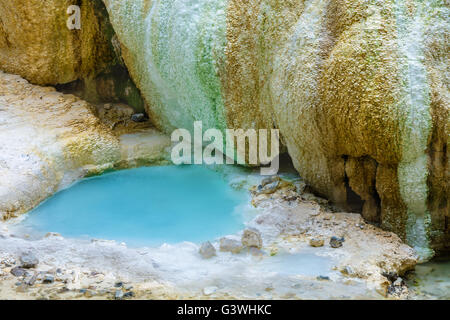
pixel 144 207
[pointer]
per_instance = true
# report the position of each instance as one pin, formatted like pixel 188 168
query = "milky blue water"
pixel 145 206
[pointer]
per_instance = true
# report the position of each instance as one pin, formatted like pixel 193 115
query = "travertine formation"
pixel 36 43
pixel 358 89
pixel 48 140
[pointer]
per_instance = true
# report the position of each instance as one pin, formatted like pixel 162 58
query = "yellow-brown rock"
pixel 36 43
pixel 358 89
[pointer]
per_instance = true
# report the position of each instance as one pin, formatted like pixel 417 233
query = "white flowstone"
pixel 209 290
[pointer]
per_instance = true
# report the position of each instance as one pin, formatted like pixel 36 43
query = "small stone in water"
pixel 138 117
pixel 129 294
pixel 28 260
pixel 118 284
pixel 270 188
pixel 18 271
pixel 252 238
pixel 336 242
pixel 230 245
pixel 323 278
pixel 207 250
pixel 52 235
pixel 269 180
pixel 48 278
pixel 314 242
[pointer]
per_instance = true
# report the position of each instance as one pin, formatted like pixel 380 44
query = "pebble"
pixel 336 242
pixel 138 117
pixel 252 238
pixel 129 294
pixel 18 271
pixel 322 278
pixel 207 250
pixel 28 260
pixel 48 278
pixel 316 243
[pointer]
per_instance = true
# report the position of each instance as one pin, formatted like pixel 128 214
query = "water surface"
pixel 145 206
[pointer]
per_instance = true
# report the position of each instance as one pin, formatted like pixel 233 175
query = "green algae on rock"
pixel 357 88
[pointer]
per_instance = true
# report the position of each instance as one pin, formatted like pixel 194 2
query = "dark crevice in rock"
pixel 360 184
pixel 354 201
pixel 113 84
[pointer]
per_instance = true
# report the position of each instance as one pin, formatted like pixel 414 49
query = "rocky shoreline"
pixel 61 139
pixel 367 263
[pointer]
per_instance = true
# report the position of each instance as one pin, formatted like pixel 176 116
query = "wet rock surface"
pixel 285 221
pixel 336 242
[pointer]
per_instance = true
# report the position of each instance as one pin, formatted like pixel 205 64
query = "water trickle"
pixel 431 280
pixel 146 206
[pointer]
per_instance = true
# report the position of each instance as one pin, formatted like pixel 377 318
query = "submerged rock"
pixel 207 250
pixel 252 238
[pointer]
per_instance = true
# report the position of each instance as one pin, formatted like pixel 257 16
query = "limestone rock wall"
pixel 36 43
pixel 358 89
